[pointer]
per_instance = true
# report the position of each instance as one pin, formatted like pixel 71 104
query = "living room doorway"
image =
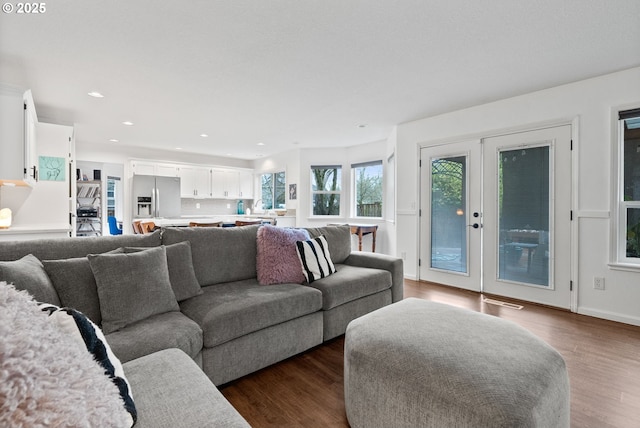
pixel 499 215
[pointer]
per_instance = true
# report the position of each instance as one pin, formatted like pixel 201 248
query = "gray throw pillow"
pixel 181 273
pixel 338 238
pixel 73 280
pixel 29 274
pixel 132 287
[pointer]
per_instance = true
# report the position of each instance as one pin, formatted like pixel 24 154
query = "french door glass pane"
pixel 524 213
pixel 448 208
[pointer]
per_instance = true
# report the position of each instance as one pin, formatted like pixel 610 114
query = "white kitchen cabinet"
pixel 167 170
pixel 246 184
pixel 143 167
pixel 225 183
pixel 195 182
pixel 155 168
pixel 18 120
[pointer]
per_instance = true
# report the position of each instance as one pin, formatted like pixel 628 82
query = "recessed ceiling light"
pixel 261 144
pixel 296 142
pixel 127 123
pixel 113 140
pixel 228 154
pixel 204 135
pixel 362 125
pixel 95 94
pixel 178 148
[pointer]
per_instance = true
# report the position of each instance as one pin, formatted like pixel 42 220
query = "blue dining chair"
pixel 113 226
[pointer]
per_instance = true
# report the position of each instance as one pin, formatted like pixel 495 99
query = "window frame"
pixel 313 193
pixel 619 258
pixel 354 188
pixel 274 180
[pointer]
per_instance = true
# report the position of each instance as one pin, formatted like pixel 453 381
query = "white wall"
pixel 590 103
pixel 289 162
pixel 47 203
pixel 390 197
pixel 121 153
pixel 297 163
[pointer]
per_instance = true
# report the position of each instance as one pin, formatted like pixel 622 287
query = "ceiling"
pixel 297 73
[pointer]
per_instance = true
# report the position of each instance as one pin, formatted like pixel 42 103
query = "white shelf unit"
pixel 89 197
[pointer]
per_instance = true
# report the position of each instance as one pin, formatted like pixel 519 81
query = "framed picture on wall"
pixel 293 192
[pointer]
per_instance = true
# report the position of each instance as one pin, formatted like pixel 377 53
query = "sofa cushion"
pixel 181 274
pixel 315 258
pixel 220 254
pixel 172 391
pixel 277 260
pixel 351 283
pixel 132 287
pixel 28 274
pixel 76 286
pixel 230 310
pixel 338 238
pixel 87 335
pixel 45 378
pixel 162 331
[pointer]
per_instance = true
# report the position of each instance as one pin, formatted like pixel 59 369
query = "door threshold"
pixel 501 303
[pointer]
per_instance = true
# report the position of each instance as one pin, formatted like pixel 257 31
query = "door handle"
pixel 474 225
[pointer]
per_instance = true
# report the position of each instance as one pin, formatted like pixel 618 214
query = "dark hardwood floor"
pixel 603 359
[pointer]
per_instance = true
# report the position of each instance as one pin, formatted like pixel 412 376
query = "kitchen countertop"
pixel 185 219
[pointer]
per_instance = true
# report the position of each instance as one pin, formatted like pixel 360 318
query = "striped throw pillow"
pixel 315 258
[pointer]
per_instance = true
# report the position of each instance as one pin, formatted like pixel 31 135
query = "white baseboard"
pixel 611 316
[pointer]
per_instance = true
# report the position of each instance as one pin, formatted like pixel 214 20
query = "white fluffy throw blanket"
pixel 46 380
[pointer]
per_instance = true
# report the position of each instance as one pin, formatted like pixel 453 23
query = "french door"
pixel 498 215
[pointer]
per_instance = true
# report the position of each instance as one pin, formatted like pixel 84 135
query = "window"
pixel 629 187
pixel 326 189
pixel 367 189
pixel 113 196
pixel 273 190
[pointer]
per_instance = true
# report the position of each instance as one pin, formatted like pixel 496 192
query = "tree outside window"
pixel 367 178
pixel 273 190
pixel 326 189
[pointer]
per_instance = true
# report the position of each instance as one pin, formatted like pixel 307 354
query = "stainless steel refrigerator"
pixel 155 196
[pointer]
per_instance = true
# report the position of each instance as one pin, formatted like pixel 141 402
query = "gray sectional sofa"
pixel 229 324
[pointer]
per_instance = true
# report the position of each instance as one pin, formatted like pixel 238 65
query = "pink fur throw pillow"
pixel 46 379
pixel 277 259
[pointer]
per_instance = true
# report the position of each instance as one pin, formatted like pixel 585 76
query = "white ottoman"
pixel 417 363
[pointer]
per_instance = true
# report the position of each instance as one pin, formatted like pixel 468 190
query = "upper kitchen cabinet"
pixel 143 168
pixel 232 184
pixel 246 184
pixel 195 182
pixel 225 183
pixel 18 121
pixel 167 170
pixel 154 168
